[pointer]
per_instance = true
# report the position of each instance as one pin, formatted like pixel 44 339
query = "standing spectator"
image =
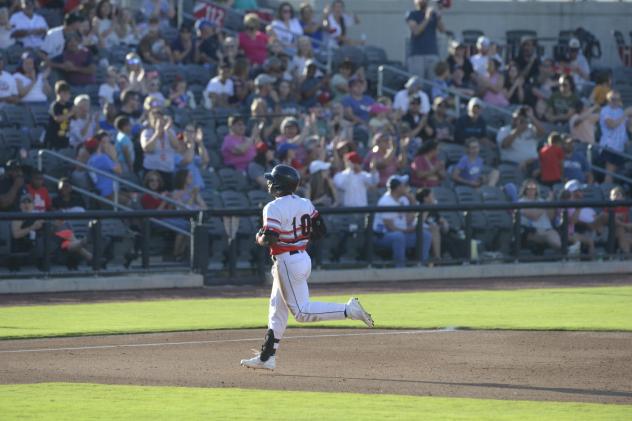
pixel 427 170
pixel 354 182
pixel 578 64
pixel 583 122
pixel 11 186
pixel 252 41
pixel 492 84
pixel 39 192
pixel 125 27
pixel 6 40
pixel 159 144
pixel 384 157
pixel 184 48
pixel 103 161
pixel 397 230
pixel 77 63
pixel 124 147
pixel 357 104
pixel 614 122
pixel 312 85
pixel 61 111
pixel 83 125
pixel 109 88
pixel 153 48
pixel 551 160
pixel 441 123
pixel 536 223
pixel 104 26
pixel 161 10
pixel 209 43
pixel 8 87
pixel 472 125
pixel 480 59
pixel 237 149
pixel 413 88
pixel 29 28
pixel 518 142
pixel 469 170
pixel 575 164
pixel 286 26
pixel 192 154
pixel 561 104
pixel 528 60
pixel 262 163
pixel 135 72
pixel 514 87
pixel 461 67
pixel 337 23
pixel 424 22
pixel 67 198
pixel 311 27
pixel 55 41
pixel 131 108
pixel 321 188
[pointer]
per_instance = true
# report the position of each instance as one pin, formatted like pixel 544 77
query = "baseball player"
pixel 289 222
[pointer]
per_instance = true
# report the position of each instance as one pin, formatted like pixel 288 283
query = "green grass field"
pixel 62 401
pixel 608 308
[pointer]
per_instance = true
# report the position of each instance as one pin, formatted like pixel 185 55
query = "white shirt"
pixel 54 42
pixel 19 22
pixel 402 100
pixel 5 37
pixel 354 186
pixel 36 94
pixel 106 91
pixel 289 216
pixel 479 63
pixel 215 86
pixel 7 85
pixel 286 34
pixel 398 218
pixel 76 126
pixel 523 148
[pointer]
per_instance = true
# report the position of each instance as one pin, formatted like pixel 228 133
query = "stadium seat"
pixel 211 197
pixel 12 140
pixel 467 195
pixel 509 173
pixel 374 55
pixel 39 114
pixel 15 116
pixel 197 74
pixel 451 153
pixel 258 198
pixel 234 199
pixel 168 73
pixel 232 179
pixel 445 196
pixel 91 90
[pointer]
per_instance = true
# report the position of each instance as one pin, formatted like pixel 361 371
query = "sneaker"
pixel 256 363
pixel 355 311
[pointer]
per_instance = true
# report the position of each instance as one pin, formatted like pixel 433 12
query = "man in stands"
pixel 55 41
pixel 8 87
pixel 103 161
pixel 527 60
pixel 480 59
pixel 265 90
pixel 518 142
pixel 77 63
pixel 413 88
pixel 472 125
pixel 614 122
pixel 209 44
pixel 29 28
pixel 11 186
pixel 575 164
pixel 354 182
pixel 357 104
pixel 153 48
pixel 423 23
pixel 577 63
pixel 220 88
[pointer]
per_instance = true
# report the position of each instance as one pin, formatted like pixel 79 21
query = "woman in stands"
pixel 304 52
pixel 427 170
pixel 492 85
pixel 514 84
pixel 32 83
pixel 159 143
pixel 238 150
pixel 125 27
pixel 460 66
pixel 252 41
pixel 387 160
pixel 104 26
pixel 311 27
pixel 337 22
pixel 135 73
pixel 536 223
pixel 286 26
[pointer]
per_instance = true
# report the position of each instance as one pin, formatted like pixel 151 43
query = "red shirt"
pixel 422 163
pixel 255 49
pixel 551 160
pixel 148 201
pixel 41 199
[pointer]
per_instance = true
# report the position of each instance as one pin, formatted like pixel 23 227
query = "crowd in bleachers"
pixel 199 112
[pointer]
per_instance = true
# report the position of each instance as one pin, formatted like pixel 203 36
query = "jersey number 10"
pixel 305 227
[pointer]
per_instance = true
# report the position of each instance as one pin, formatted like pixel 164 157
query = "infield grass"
pixel 69 401
pixel 601 308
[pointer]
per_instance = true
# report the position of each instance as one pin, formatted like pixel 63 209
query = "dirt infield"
pixel 556 366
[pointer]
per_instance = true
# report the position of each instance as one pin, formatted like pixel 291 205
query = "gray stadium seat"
pixel 232 179
pixel 15 116
pixel 509 173
pixel 451 153
pixel 258 198
pixel 234 199
pixel 446 196
pixel 39 114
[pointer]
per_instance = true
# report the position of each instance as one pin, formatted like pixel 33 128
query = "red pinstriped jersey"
pixel 291 217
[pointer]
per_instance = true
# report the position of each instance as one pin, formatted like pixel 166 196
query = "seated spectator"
pixel 29 28
pixel 8 87
pixel 104 26
pixel 353 182
pixel 61 111
pixel 551 160
pixel 536 223
pixel 154 89
pixel 337 23
pixel 583 123
pixel 492 84
pixel 397 230
pixel 76 63
pixel 32 85
pixel 262 163
pixel 153 48
pixel 469 170
pixel 380 121
pixel 539 91
pixel 125 27
pixel 230 51
pixel 291 133
pixel 480 59
pixel 575 164
pixel 460 66
pixel 427 170
pixel 237 149
pixel 135 73
pixel 125 152
pixel 25 233
pixel 153 181
pixel 38 192
pixel 260 117
pixel 11 186
pixel 108 90
pixel 527 60
pixel 578 66
pixel 106 162
pixel 561 104
pixel 321 188
pixel 603 81
pixel 209 45
pixel 580 221
pixel 312 85
pixel 472 125
pixel 163 11
pixel 55 41
pixel 357 104
pixel 184 192
pixel 311 27
pixel 84 123
pixel 614 122
pixel 440 83
pixel 287 99
pixel 304 53
pixel 384 157
pixel 159 143
pixel 411 89
pixel 180 96
pixel 286 153
pixel 192 154
pixel 418 121
pixel 264 90
pixel 68 199
pixel 339 83
pixel 623 226
pixel 252 41
pixel 432 221
pixel 286 26
pixel 6 40
pixel 514 86
pixel 518 142
pixel 183 48
pixel 131 108
pixel 441 123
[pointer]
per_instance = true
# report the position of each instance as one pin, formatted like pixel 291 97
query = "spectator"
pixel 55 42
pixel 230 51
pixel 180 96
pixel 397 230
pixel 380 121
pixel 424 22
pixel 209 45
pixel 536 223
pixel 192 154
pixel 286 26
pixel 260 117
pixel 623 226
pixel 287 99
pixel 61 111
pixel 67 199
pixel 106 120
pixel 24 233
pixel 264 90
pixel 76 63
pixel 291 133
pixel 252 41
pixel 311 27
pixel 312 85
pixel 32 85
pixel 6 40
pixel 109 88
pixel 304 53
pixel 492 84
pixel 104 161
pixel 354 182
pixel 614 122
pixel 125 152
pixel 480 59
pixel 190 197
pixel 411 89
pixel 29 28
pixel 8 87
pixel 472 125
pixel 469 170
pixel 518 142
pixel 153 181
pixel 153 88
pixel 159 144
pixel 286 153
pixel 11 186
pixel 551 160
pixel 417 120
pixel 357 104
pixel 135 73
pixel 583 123
pixel 83 125
pixel 104 26
pixel 384 157
pixel 461 67
pixel 514 87
pixel 38 192
pixel 237 149
pixel 337 23
pixel 125 27
pixel 339 84
pixel 440 122
pixel 184 48
pixel 321 188
pixel 527 60
pixel 580 220
pixel 560 106
pixel 575 164
pixel 161 10
pixel 577 64
pixel 432 221
pixel 603 85
pixel 427 170
pixel 262 162
pixel 153 48
pixel 539 91
pixel 440 85
pixel 131 108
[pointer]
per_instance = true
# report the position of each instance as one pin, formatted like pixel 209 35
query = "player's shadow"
pixel 566 390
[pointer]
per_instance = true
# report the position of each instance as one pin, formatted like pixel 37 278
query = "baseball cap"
pixel 438 101
pixel 483 41
pixel 353 157
pixel 574 43
pixel 284 147
pixel 473 102
pixel 264 79
pixel 204 23
pixel 261 147
pixel 310 62
pixel 289 121
pixel 413 82
pixel 354 80
pixel 318 165
pixel 91 144
pixel 573 186
pixel 394 181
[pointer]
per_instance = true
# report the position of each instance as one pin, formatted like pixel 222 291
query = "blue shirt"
pixel 103 184
pixel 576 166
pixel 359 107
pixel 426 42
pixel 194 169
pixel 470 171
pixel 123 142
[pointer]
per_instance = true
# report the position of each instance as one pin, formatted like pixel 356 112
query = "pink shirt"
pixel 256 49
pixel 239 162
pixel 421 163
pixel 386 171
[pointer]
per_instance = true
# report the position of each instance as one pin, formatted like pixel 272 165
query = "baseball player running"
pixel 289 222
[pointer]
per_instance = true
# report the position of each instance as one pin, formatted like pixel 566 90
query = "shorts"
pixel 612 158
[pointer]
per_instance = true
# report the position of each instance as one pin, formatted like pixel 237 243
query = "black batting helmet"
pixel 283 180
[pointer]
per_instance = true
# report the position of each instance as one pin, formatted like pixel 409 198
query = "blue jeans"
pixel 399 241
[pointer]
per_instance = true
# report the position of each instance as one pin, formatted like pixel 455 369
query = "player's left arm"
pixel 319 229
pixel 268 234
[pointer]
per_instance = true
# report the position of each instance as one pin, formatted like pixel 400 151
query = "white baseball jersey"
pixel 291 217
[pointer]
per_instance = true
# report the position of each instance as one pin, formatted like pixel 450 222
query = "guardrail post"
pixel 95 229
pixel 40 164
pixel 468 235
pixel 146 234
pixel 419 240
pixel 380 80
pixel 232 256
pixel 46 247
pixel 611 232
pixel 457 105
pixel 517 233
pixel 564 232
pixel 369 239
